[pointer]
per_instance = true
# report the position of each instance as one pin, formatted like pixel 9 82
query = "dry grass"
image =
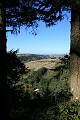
pixel 47 63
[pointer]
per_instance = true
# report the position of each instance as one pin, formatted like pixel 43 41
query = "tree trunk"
pixel 3 74
pixel 75 53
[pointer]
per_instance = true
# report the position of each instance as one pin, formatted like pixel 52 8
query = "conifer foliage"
pixel 15 14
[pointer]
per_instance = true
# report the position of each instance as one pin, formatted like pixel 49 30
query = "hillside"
pixel 47 72
pixel 43 91
pixel 47 63
pixel 32 57
pixel 35 61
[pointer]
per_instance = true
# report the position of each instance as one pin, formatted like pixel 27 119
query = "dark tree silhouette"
pixel 15 70
pixel 12 14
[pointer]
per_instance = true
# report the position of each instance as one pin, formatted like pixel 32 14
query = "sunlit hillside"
pixel 47 63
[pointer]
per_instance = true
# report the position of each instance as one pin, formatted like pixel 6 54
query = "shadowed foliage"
pixel 27 13
pixel 15 70
pixel 52 101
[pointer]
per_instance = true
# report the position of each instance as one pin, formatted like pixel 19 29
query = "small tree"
pixel 15 70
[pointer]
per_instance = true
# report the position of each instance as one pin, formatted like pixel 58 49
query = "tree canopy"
pixel 28 12
pixel 20 13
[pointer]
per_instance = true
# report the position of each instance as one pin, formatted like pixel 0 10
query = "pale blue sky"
pixel 53 40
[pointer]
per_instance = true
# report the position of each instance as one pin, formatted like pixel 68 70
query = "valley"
pixel 47 63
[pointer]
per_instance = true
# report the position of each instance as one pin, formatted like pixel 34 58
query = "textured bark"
pixel 75 53
pixel 3 75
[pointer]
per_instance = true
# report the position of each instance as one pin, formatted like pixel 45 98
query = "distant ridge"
pixel 57 55
pixel 24 54
pixel 50 55
pixel 33 57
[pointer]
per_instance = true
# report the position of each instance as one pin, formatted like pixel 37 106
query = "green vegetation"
pixel 40 95
pixel 31 57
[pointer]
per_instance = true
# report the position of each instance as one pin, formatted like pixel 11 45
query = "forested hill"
pixel 32 57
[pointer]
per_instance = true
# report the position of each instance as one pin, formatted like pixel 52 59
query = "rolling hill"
pixel 47 63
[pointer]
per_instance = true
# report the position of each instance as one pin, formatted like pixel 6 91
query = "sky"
pixel 50 40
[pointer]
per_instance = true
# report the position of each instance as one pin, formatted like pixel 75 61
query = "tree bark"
pixel 3 62
pixel 75 53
